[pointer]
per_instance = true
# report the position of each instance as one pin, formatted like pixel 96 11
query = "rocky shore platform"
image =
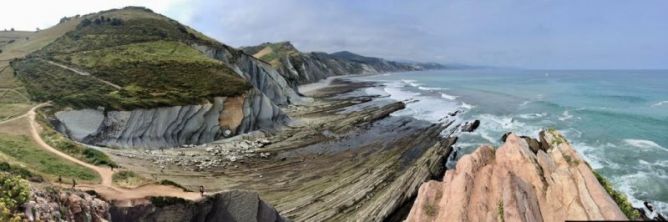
pixel 343 157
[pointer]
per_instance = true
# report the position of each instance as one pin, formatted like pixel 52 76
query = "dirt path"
pixel 81 73
pixel 106 187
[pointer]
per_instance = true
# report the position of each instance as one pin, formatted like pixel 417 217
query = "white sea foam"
pixel 422 107
pixel 493 126
pixel 565 116
pixel 532 115
pixel 430 88
pixel 467 106
pixel 446 96
pixel 411 82
pixel 660 103
pixel 376 91
pixel 643 144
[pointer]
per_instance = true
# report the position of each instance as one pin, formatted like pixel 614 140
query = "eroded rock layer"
pixel 515 183
pixel 225 206
pixel 171 126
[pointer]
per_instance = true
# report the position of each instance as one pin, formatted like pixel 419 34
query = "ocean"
pixel 616 119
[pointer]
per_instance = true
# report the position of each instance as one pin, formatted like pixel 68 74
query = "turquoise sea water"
pixel 617 119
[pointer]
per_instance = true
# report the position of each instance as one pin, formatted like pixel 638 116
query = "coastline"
pixel 374 160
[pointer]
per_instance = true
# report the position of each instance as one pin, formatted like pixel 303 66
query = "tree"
pixel 12 29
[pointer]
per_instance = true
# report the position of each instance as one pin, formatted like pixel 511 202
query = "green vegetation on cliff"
pixel 619 197
pixel 127 59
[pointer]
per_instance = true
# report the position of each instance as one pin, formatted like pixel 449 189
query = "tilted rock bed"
pixel 362 165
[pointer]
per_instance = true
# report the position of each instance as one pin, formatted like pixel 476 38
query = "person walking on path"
pixel 201 190
pixel 74 183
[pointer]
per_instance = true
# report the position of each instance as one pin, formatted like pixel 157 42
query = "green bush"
pixel 19 171
pixel 14 192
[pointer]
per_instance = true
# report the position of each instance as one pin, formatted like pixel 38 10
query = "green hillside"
pixel 125 59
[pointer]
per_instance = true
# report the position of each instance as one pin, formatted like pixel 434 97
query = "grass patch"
pixel 128 179
pixel 172 183
pixel 570 160
pixel 23 150
pixel 430 210
pixel 19 171
pixel 11 110
pixel 619 197
pixel 499 211
pixel 156 51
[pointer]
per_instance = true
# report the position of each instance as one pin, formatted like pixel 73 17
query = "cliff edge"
pixel 523 180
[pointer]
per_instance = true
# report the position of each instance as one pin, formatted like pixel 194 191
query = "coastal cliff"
pixel 171 126
pixel 299 67
pixel 543 180
pixel 259 74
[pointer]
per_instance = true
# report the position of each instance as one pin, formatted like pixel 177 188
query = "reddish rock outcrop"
pixel 515 183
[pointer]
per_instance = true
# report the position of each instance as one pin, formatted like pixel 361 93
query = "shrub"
pixel 14 192
pixel 620 198
pixel 18 171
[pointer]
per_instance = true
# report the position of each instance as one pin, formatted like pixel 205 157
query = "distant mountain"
pixel 306 67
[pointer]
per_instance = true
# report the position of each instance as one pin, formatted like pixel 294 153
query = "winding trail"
pixel 106 188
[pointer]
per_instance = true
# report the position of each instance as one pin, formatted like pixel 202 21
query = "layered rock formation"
pixel 227 206
pixel 299 68
pixel 171 126
pixel 53 204
pixel 514 183
pixel 259 74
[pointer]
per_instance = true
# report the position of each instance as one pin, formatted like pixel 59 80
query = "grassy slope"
pixel 148 55
pixel 21 149
pixel 14 99
pixel 273 52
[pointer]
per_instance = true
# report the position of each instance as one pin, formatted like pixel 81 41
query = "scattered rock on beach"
pixel 471 126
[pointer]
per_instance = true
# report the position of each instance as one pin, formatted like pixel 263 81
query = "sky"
pixel 555 34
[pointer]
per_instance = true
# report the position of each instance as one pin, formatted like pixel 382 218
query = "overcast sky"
pixel 568 34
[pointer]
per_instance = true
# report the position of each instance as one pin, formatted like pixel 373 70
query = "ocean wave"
pixel 635 185
pixel 493 126
pixel 430 88
pixel 446 96
pixel 532 115
pixel 421 106
pixel 660 103
pixel 643 144
pixel 565 116
pixel 411 82
pixel 467 106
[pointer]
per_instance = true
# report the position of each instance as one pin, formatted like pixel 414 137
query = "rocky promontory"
pixel 546 182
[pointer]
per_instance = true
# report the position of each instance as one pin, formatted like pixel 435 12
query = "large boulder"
pixel 514 183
